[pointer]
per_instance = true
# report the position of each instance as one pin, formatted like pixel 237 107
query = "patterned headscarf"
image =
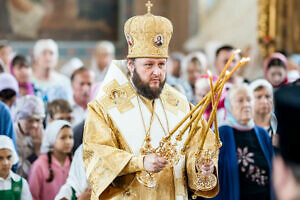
pixel 29 106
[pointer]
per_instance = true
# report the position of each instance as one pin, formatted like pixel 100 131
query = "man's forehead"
pixel 225 53
pixel 151 59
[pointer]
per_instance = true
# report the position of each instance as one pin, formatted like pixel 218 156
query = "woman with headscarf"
pixel 45 76
pixel 245 156
pixel 49 172
pixel 29 114
pixel 21 69
pixel 194 66
pixel 275 70
pixel 76 186
pixel 12 186
pixel 8 89
pixel 263 107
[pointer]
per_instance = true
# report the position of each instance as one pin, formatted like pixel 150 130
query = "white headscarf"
pixel 261 83
pixel 45 44
pixel 7 143
pixel 201 57
pixel 77 177
pixel 264 83
pixel 51 133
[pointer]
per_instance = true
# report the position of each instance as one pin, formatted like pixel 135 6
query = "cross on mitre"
pixel 149 5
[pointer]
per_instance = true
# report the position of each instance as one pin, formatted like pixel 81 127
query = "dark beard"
pixel 144 89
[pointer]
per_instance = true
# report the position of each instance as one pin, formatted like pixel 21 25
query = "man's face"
pixel 6 54
pixel 47 59
pixel 223 58
pixel 82 85
pixel 148 75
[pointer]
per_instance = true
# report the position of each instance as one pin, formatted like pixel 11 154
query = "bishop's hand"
pixel 153 163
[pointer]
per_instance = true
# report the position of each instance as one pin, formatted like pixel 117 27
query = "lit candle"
pixel 242 62
pixel 204 99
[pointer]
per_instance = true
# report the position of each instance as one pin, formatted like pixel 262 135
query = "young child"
pixel 50 171
pixel 12 186
pixel 60 109
pixel 76 186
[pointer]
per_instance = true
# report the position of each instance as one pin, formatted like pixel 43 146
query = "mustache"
pixel 144 89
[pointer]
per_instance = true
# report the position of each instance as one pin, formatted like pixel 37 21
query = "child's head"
pixel 58 137
pixel 21 69
pixel 8 155
pixel 275 68
pixel 60 109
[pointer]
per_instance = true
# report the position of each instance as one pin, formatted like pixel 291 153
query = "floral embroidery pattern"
pixel 248 167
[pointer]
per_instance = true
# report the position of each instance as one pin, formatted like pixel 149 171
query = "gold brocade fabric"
pixel 110 164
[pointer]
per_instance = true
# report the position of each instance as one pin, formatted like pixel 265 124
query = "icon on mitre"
pixel 159 40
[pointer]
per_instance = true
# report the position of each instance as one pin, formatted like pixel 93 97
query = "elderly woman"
pixel 104 54
pixel 29 114
pixel 263 107
pixel 245 157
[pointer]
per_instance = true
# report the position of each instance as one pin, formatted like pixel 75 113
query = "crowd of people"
pixel 42 114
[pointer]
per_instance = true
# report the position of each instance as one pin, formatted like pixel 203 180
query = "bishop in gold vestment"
pixel 121 116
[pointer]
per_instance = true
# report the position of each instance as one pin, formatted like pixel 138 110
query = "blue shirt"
pixel 6 124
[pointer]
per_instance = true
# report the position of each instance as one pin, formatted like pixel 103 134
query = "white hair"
pixel 45 44
pixel 237 87
pixel 105 46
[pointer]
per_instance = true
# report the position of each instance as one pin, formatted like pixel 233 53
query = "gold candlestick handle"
pixel 203 182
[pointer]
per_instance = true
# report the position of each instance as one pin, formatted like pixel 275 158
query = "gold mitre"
pixel 148 36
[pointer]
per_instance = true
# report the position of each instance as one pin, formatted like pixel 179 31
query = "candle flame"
pixel 209 73
pixel 237 51
pixel 227 72
pixel 244 60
